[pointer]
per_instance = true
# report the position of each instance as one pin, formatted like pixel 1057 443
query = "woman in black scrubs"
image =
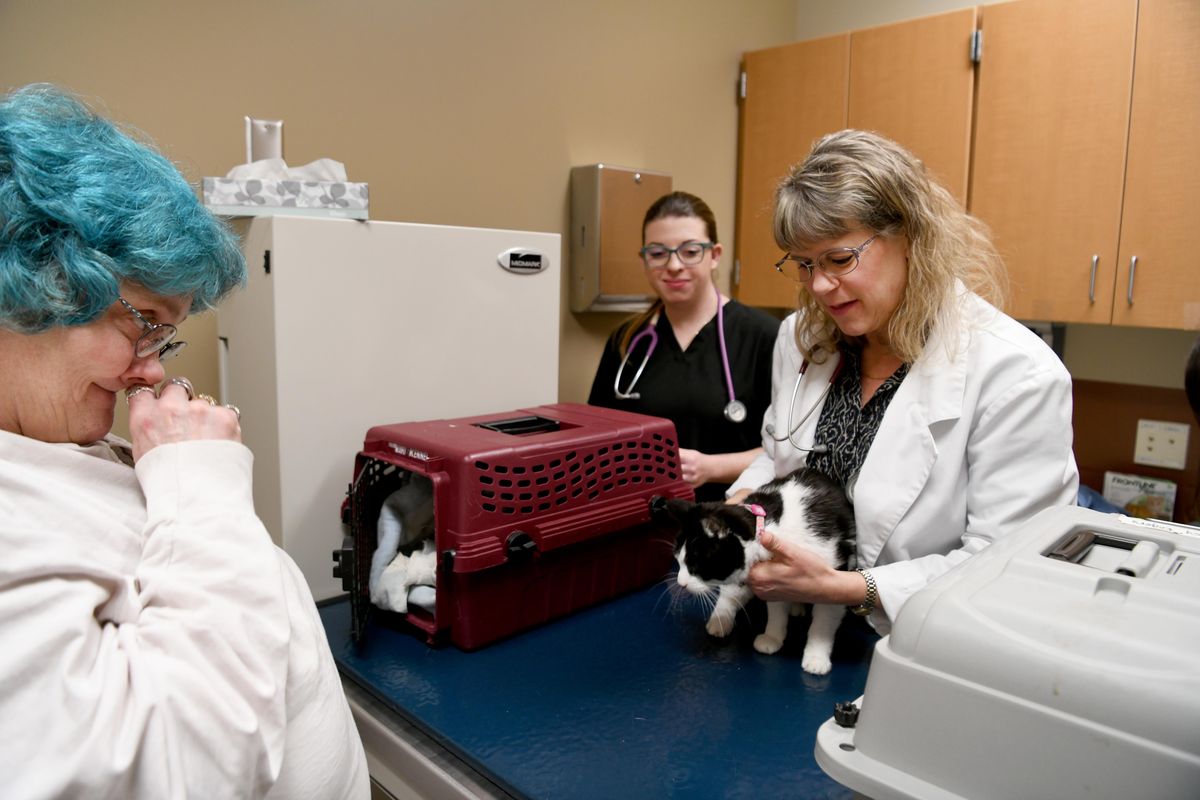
pixel 696 357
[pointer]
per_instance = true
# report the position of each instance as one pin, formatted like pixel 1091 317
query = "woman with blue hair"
pixel 158 643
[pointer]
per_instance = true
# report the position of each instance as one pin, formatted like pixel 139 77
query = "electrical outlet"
pixel 1161 444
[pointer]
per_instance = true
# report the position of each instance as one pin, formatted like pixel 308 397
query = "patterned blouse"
pixel 846 428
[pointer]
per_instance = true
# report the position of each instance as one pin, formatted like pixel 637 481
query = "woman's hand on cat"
pixel 797 574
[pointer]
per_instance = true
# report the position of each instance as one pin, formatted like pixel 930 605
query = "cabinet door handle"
pixel 1132 269
pixel 1092 281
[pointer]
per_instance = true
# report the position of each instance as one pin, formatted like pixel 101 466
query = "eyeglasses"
pixel 833 263
pixel 159 337
pixel 657 256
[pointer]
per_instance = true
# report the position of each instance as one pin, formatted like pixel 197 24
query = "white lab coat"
pixel 156 643
pixel 976 440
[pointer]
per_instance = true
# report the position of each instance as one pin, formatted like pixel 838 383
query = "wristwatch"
pixel 872 598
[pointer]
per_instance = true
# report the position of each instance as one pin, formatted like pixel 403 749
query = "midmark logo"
pixel 529 261
pixel 523 262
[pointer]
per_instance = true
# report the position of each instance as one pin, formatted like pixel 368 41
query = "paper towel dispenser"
pixel 607 206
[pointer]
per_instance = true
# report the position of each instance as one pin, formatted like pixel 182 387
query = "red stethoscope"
pixel 735 410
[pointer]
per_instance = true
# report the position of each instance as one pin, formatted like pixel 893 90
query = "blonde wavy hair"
pixel 857 179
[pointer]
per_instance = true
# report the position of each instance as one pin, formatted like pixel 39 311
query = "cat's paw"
pixel 816 663
pixel 766 644
pixel 719 626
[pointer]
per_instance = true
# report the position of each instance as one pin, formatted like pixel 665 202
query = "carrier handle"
pixel 522 426
pixel 1073 547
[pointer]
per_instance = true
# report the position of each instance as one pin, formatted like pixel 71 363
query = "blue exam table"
pixel 628 699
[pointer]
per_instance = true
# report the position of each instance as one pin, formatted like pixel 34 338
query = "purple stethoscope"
pixel 735 410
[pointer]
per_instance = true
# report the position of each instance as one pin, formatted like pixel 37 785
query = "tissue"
pixel 270 186
pixel 323 169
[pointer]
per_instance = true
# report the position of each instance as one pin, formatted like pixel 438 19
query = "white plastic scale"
pixel 1061 662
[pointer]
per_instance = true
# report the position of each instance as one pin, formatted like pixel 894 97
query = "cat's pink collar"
pixel 760 516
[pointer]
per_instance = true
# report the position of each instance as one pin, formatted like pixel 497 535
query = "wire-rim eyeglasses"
pixel 159 337
pixel 833 263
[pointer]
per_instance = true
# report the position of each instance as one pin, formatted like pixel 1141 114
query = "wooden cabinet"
pixel 1050 129
pixel 792 95
pixel 1085 157
pixel 912 81
pixel 1162 179
pixel 1074 138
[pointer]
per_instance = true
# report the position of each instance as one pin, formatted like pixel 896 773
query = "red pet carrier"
pixel 536 513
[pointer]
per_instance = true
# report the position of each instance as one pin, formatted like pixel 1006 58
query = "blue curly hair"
pixel 83 207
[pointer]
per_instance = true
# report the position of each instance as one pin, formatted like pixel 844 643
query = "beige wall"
pixel 460 112
pixel 467 112
pixel 824 17
pixel 1091 352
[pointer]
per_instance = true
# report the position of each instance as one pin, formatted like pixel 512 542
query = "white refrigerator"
pixel 348 324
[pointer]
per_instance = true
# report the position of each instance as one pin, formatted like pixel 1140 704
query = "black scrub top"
pixel 688 387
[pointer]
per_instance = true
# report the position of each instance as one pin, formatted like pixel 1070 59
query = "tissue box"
pixel 256 197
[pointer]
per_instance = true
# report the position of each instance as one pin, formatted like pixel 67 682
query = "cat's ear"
pixel 678 510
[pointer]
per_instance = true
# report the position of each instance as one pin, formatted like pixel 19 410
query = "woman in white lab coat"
pixel 947 422
pixel 156 643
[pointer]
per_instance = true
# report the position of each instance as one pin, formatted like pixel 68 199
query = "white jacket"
pixel 976 440
pixel 156 643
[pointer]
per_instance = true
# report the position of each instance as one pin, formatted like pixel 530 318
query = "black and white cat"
pixel 717 544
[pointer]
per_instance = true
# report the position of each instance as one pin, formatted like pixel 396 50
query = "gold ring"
pixel 235 410
pixel 186 385
pixel 134 391
pixel 208 398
